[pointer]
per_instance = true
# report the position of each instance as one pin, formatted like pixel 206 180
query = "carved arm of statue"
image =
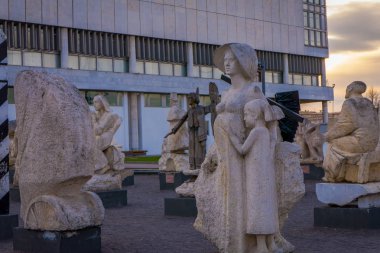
pixel 178 125
pixel 344 126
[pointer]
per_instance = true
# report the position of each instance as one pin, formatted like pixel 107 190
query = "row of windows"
pixel 316 2
pixel 33 59
pixel 163 100
pixel 315 38
pixel 315 23
pixel 98 63
pixel 206 72
pixel 303 79
pixel 160 68
pixel 314 20
pixel 87 42
pixel 273 77
pixel 31 36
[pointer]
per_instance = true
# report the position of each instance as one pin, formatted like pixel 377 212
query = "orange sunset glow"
pixel 354 43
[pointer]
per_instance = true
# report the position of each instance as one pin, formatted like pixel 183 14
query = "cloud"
pixel 354 28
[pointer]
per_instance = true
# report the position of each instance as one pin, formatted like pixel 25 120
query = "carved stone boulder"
pixel 56 147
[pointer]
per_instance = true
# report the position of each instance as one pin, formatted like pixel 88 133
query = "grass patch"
pixel 143 159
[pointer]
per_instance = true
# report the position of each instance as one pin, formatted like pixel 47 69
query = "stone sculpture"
pixel 351 154
pixel 173 156
pixel 110 169
pixel 56 148
pixel 226 188
pixel 13 151
pixel 310 139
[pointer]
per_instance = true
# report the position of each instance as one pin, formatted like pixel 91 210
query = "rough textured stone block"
pixel 185 207
pixel 86 240
pixel 342 194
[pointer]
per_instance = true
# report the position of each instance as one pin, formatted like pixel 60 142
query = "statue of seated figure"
pixel 352 138
pixel 109 168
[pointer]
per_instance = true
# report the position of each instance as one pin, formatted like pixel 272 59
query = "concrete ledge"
pixel 7 223
pixel 115 198
pixel 86 240
pixel 130 180
pixel 171 180
pixel 347 217
pixel 184 207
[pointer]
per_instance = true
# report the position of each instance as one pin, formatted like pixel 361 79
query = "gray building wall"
pixel 271 25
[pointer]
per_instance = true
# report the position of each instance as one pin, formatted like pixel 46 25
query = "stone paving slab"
pixel 141 227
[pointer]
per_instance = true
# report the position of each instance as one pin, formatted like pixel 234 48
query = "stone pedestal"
pixel 171 180
pixel 7 223
pixel 184 207
pixel 130 180
pixel 347 217
pixel 114 198
pixel 312 172
pixel 86 240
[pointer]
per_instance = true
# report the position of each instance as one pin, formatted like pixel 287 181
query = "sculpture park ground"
pixel 141 227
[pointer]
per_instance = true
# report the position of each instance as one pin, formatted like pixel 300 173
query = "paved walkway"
pixel 141 227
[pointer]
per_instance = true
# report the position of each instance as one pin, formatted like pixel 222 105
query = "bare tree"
pixel 373 95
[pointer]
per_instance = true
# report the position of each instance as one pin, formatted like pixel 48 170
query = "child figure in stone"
pixel 261 216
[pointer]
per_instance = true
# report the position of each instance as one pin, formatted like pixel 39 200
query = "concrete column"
pixel 325 112
pixel 134 118
pixel 125 123
pixel 190 60
pixel 64 48
pixel 132 54
pixel 285 73
pixel 323 79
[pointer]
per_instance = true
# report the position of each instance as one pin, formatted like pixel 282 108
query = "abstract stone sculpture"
pixel 56 147
pixel 110 169
pixel 310 139
pixel 351 152
pixel 223 190
pixel 173 156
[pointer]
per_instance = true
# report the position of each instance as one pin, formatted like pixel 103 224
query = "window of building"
pixel 73 62
pixel 166 69
pixel 32 59
pixel 206 72
pixel 151 68
pixel 304 79
pixel 140 67
pixel 14 57
pixel 314 13
pixel 50 60
pixel 104 64
pixel 87 63
pixel 180 70
pixel 196 70
pixel 217 74
pixel 157 100
pixel 114 98
pixel 120 65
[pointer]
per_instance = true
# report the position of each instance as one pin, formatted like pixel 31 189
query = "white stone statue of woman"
pixel 226 190
pixel 109 167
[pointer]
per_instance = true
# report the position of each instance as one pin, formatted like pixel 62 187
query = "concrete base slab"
pixel 130 180
pixel 312 172
pixel 171 180
pixel 115 198
pixel 86 240
pixel 184 207
pixel 7 223
pixel 347 217
pixel 342 194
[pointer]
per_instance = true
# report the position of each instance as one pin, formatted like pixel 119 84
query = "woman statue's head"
pixel 100 102
pixel 237 58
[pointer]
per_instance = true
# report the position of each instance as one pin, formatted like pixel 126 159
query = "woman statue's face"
pixel 231 65
pixel 98 104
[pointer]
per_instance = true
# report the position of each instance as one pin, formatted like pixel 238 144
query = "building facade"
pixel 136 52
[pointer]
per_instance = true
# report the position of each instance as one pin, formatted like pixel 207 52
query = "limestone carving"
pixel 248 173
pixel 351 152
pixel 310 139
pixel 110 169
pixel 56 148
pixel 13 151
pixel 173 155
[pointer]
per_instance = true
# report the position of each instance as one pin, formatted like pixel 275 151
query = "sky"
pixel 354 44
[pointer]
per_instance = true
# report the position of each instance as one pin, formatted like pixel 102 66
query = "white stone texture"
pixel 56 148
pixel 310 139
pixel 228 220
pixel 342 194
pixel 186 189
